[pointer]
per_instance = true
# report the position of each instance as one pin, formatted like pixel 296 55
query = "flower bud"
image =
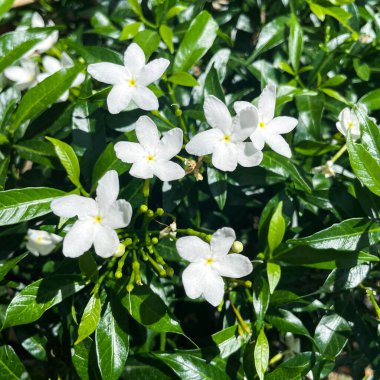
pixel 143 208
pixel 127 242
pixel 118 274
pixel 178 112
pixel 119 251
pixel 150 213
pixel 237 247
pixel 130 288
pixel 154 240
pixel 160 211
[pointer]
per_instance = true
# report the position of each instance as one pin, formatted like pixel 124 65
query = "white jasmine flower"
pixel 348 121
pixel 367 34
pixel 53 65
pixel 225 141
pixel 131 80
pixel 41 242
pixel 328 170
pixel 97 218
pixel 151 156
pixel 270 128
pixel 209 262
pixel 24 76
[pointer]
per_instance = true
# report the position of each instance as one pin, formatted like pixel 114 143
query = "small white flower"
pixel 328 170
pixel 270 128
pixel 151 156
pixel 348 121
pixel 24 76
pixel 53 65
pixel 41 242
pixel 225 141
pixel 97 219
pixel 367 34
pixel 131 80
pixel 209 262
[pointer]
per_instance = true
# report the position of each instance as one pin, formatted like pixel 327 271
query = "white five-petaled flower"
pixel 270 128
pixel 131 80
pixel 24 76
pixel 151 155
pixel 209 262
pixel 348 121
pixel 53 65
pixel 41 242
pixel 225 141
pixel 97 218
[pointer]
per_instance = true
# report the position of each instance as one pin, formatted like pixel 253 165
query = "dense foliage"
pixel 306 302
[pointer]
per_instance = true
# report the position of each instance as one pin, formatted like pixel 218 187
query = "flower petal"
pixel 107 72
pixel 134 59
pixel 153 71
pixel 222 241
pixel 204 142
pixel 277 143
pixel 245 123
pixel 51 65
pixel 193 248
pixel 224 157
pixel 248 155
pixel 282 124
pixel 147 133
pixel 239 106
pixel 213 288
pixel 18 74
pixel 167 170
pixel 145 99
pixel 217 114
pixel 267 103
pixel 66 60
pixel 119 98
pixel 257 139
pixel 193 280
pixel 79 239
pixel 129 152
pixel 141 170
pixel 105 241
pixel 78 80
pixel 170 144
pixel 74 205
pixel 118 215
pixel 37 21
pixel 233 265
pixel 108 189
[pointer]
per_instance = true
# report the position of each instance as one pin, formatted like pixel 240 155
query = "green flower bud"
pixel 237 247
pixel 127 242
pixel 154 240
pixel 119 274
pixel 143 208
pixel 160 212
pixel 150 213
pixel 119 250
pixel 178 112
pixel 130 287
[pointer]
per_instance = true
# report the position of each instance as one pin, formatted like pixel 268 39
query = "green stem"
pixel 339 153
pixel 162 341
pixel 146 190
pixel 163 118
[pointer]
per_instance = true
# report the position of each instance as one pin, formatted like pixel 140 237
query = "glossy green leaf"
pixel 274 275
pixel 9 264
pixel 260 298
pixel 148 40
pixel 276 230
pixel 213 84
pixel 295 42
pixel 5 6
pixel 183 79
pixel 261 354
pixel 310 110
pixel 90 318
pixel 166 34
pixel 4 165
pixel 89 267
pixel 129 31
pixel 371 100
pixel 80 358
pixel 11 367
pixel 285 321
pixel 8 101
pixel 217 181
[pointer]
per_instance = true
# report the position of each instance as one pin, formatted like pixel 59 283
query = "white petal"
pixel 222 241
pixel 134 59
pixel 213 288
pixel 108 189
pixel 79 239
pixel 118 215
pixel 340 127
pixel 233 265
pixel 37 21
pixel 105 241
pixel 141 170
pixel 167 170
pixel 64 96
pixel 47 43
pixel 42 77
pixel 66 61
pixel 204 142
pixel 107 72
pixel 78 80
pixel 257 139
pixel 18 74
pixel 119 98
pixel 282 124
pixel 248 155
pixel 245 123
pixel 147 133
pixel 277 143
pixel 153 71
pixel 239 106
pixel 129 152
pixel 217 114
pixel 145 99
pixel 51 65
pixel 170 144
pixel 72 205
pixel 224 157
pixel 193 280
pixel 267 103
pixel 193 248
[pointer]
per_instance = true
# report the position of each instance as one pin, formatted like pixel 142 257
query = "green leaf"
pixel 228 341
pixel 166 34
pixel 36 150
pixel 174 11
pixel 35 345
pixel 274 275
pixel 277 228
pixel 88 266
pixel 4 165
pixel 136 7
pixel 20 205
pixel 8 265
pixel 147 308
pixel 213 84
pixel 8 101
pixel 295 42
pixel 334 81
pixel 32 302
pixel 40 97
pixel 11 367
pixel 217 181
pixel 363 71
pixel 148 40
pixel 5 6
pixel 335 95
pixel 285 321
pixel 349 235
pixel 261 354
pixel 198 39
pixel 371 100
pixel 183 79
pixel 310 110
pixel 112 345
pixel 80 358
pixel 68 159
pixel 130 31
pixel 90 318
pixel 260 298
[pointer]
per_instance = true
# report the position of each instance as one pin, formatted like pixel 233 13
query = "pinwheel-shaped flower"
pixel 131 80
pixel 270 128
pixel 24 76
pixel 151 156
pixel 97 219
pixel 225 141
pixel 41 242
pixel 209 262
pixel 348 121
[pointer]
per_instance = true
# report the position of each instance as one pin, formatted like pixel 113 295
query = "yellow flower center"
pixel 226 138
pixel 98 219
pixel 261 124
pixel 132 82
pixel 350 124
pixel 39 239
pixel 150 157
pixel 210 261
